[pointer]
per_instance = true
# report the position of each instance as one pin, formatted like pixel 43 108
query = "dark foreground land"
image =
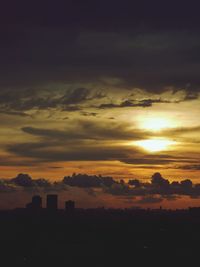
pixel 100 238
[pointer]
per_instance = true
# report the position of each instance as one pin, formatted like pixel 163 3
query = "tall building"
pixel 52 202
pixel 37 201
pixel 69 206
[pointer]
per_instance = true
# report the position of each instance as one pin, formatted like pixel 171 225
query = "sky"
pixel 108 87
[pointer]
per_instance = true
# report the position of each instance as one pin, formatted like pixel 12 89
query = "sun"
pixel 155 145
pixel 156 124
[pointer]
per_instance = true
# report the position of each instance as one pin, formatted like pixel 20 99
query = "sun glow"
pixel 156 124
pixel 155 145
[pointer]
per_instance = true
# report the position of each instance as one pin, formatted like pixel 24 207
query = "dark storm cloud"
pixel 146 45
pixel 116 14
pixel 149 61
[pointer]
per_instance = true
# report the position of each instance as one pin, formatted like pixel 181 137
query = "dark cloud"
pixel 23 180
pixel 158 180
pixel 17 102
pixel 85 129
pixel 14 102
pixel 120 189
pixel 149 192
pixel 15 162
pixel 14 113
pixel 51 133
pixel 129 103
pixel 134 182
pixel 148 160
pixel 71 108
pixel 76 96
pixel 79 95
pixel 195 167
pixel 84 180
pixel 7 187
pixel 46 152
pixel 80 151
pixel 158 189
pixel 145 45
pixel 87 140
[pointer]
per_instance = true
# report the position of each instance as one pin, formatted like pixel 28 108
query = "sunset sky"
pixel 100 88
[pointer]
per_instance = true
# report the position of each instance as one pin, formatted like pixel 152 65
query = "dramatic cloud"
pixel 84 180
pixel 93 82
pixel 150 192
pixel 91 130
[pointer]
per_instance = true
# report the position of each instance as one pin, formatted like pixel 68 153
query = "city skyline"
pixel 94 191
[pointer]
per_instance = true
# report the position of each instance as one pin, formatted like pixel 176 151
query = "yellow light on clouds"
pixel 156 124
pixel 155 145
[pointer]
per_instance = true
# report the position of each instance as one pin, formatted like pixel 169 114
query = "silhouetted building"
pixel 36 203
pixel 29 205
pixel 69 206
pixel 52 202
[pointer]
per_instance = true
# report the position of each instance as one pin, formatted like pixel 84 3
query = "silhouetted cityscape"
pixel 91 237
pixel 100 236
pixel 51 203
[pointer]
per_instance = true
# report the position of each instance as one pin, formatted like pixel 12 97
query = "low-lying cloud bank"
pixel 106 184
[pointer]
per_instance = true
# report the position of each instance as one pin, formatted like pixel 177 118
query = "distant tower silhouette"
pixel 52 202
pixel 37 201
pixel 69 206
